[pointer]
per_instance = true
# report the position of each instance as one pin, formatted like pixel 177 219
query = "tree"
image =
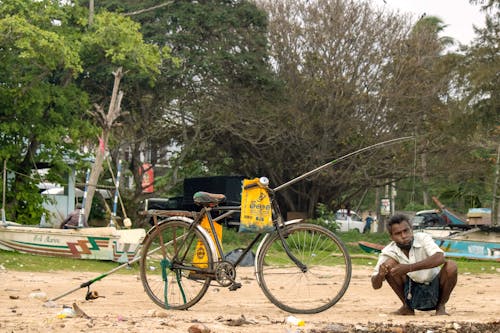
pixel 481 68
pixel 419 93
pixel 113 41
pixel 222 78
pixel 52 69
pixel 332 56
pixel 42 110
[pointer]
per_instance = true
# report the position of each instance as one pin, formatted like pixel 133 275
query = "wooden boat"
pixel 466 245
pixel 103 243
pixel 370 247
pixel 477 244
pixel 452 218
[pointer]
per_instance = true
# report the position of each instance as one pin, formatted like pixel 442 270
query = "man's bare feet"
pixel 404 311
pixel 441 311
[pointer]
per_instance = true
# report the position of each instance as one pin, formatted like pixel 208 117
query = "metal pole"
pixel 495 200
pixel 115 200
pixel 84 200
pixel 4 221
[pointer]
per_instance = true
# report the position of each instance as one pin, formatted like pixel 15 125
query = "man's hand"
pixel 384 269
pixel 400 269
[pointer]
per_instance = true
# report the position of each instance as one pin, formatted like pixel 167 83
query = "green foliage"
pixel 117 40
pixel 42 112
pixel 45 93
pixel 325 218
pixel 415 207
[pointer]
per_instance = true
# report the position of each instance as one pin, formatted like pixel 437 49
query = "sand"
pixel 125 307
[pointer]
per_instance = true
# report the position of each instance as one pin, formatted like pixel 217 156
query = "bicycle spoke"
pixel 168 264
pixel 325 280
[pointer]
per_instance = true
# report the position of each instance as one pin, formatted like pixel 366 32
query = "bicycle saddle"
pixel 208 199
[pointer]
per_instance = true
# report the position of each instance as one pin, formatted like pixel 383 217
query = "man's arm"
pixel 380 277
pixel 435 260
pixel 66 220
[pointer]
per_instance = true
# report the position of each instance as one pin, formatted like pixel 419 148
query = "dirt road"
pixel 474 306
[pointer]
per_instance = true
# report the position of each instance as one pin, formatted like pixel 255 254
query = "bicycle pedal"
pixel 235 286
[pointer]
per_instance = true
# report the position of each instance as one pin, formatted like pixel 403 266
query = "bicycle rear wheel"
pixel 167 256
pixel 326 277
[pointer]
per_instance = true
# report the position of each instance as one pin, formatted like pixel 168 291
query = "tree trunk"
pixel 91 12
pixel 107 121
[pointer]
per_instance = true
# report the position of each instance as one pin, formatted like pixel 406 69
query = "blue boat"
pixel 473 244
pixel 487 249
pixel 452 218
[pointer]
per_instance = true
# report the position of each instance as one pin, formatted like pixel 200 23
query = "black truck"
pixel 230 186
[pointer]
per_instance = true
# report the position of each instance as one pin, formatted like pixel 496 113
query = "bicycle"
pixel 182 256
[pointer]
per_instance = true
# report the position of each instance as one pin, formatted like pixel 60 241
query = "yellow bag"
pixel 256 213
pixel 200 256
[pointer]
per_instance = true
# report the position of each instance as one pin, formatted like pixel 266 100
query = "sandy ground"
pixel 127 308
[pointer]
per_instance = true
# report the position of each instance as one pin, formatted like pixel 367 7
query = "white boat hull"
pixel 105 243
pixel 471 244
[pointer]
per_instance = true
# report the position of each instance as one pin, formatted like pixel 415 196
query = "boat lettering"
pixel 45 239
pixel 476 249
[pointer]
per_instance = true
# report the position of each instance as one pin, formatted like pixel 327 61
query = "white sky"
pixel 459 15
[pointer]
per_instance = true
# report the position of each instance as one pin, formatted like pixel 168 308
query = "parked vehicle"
pixel 230 186
pixel 428 218
pixel 174 203
pixel 351 221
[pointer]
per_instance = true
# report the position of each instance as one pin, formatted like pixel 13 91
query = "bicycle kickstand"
pixel 234 286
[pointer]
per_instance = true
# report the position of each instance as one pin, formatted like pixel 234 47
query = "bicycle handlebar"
pixel 263 182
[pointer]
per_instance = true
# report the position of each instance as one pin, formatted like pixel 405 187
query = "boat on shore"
pixel 452 218
pixel 474 244
pixel 101 243
pixel 477 243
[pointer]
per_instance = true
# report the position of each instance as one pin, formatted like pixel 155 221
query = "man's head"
pixel 78 206
pixel 400 230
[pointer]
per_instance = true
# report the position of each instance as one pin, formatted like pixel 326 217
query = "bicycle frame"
pixel 189 258
pixel 215 244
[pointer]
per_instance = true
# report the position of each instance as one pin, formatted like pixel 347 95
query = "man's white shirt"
pixel 423 247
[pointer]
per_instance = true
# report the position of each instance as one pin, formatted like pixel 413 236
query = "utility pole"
pixel 495 200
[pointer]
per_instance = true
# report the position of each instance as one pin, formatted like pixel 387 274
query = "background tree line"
pixel 253 88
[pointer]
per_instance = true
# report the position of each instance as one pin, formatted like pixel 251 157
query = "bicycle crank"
pixel 225 273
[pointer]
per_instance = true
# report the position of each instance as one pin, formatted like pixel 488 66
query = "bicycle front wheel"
pixel 169 255
pixel 324 278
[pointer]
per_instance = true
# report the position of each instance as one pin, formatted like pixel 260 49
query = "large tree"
pixel 53 67
pixel 482 103
pixel 42 110
pixel 222 87
pixel 113 44
pixel 418 97
pixel 332 56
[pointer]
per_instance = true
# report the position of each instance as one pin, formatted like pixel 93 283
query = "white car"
pixel 350 221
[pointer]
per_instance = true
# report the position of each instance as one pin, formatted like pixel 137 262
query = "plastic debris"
pixel 67 312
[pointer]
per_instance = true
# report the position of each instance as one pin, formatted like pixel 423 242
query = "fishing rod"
pixel 100 277
pixel 309 173
pixel 103 275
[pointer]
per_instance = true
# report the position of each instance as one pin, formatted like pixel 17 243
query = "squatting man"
pixel 415 268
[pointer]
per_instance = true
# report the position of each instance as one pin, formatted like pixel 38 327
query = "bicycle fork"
pixel 300 265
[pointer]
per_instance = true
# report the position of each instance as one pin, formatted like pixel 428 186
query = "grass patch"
pixel 231 240
pixel 36 263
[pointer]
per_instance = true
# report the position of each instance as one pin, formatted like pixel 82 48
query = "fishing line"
pixel 377 145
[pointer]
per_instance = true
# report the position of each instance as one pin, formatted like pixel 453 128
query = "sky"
pixel 459 15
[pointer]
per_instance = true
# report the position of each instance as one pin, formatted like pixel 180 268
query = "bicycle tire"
pixel 324 282
pixel 169 284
